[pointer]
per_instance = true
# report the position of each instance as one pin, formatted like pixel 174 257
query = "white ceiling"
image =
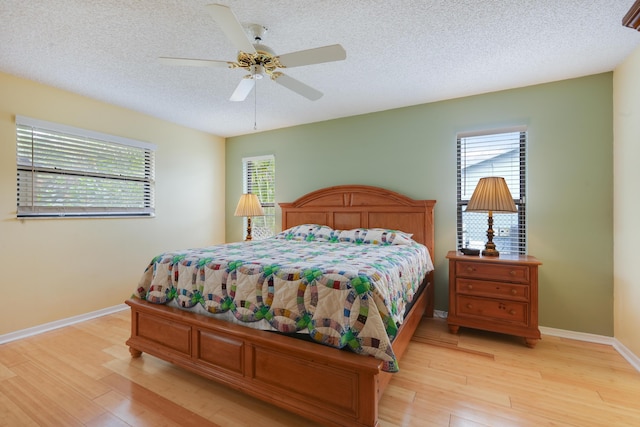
pixel 399 52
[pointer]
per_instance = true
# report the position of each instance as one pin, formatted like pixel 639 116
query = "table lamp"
pixel 491 195
pixel 249 206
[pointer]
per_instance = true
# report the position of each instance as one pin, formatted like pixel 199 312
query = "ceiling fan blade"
pixel 318 55
pixel 243 89
pixel 298 87
pixel 194 62
pixel 231 27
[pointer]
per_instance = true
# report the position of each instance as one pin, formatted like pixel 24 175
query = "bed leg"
pixel 134 352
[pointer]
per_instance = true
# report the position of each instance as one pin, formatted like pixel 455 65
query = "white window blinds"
pixel 69 172
pixel 493 154
pixel 259 178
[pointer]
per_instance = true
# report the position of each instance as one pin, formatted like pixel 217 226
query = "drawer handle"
pixel 469 306
pixel 469 286
pixel 512 312
pixel 512 272
pixel 470 269
pixel 514 292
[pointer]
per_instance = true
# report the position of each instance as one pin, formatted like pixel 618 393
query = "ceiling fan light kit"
pixel 256 58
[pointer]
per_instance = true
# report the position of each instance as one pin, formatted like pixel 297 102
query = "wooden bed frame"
pixel 339 388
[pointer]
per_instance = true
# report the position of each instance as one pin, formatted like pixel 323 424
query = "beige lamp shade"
pixel 491 195
pixel 249 205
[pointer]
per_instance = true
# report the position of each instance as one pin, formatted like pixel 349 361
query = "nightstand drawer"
pixel 512 312
pixel 485 288
pixel 486 270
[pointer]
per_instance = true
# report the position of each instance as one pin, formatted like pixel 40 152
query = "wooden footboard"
pixel 346 386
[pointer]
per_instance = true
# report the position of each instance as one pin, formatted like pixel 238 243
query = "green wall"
pixel 412 150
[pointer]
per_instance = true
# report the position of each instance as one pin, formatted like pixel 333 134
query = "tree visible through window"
pixel 259 178
pixel 494 154
pixel 69 172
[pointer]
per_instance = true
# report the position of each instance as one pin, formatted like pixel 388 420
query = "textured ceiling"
pixel 399 53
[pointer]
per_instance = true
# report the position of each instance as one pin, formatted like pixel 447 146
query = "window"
pixel 69 172
pixel 259 178
pixel 495 154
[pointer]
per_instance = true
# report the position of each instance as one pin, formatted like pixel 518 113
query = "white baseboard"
pixel 579 336
pixel 627 354
pixel 439 314
pixel 60 323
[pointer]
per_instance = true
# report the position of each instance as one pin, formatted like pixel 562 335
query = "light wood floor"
pixel 83 375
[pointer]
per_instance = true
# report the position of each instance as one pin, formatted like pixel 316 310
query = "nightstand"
pixel 498 294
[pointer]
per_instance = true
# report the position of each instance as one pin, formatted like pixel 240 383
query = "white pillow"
pixel 376 236
pixel 307 232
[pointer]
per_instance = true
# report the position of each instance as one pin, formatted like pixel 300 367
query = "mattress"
pixel 342 288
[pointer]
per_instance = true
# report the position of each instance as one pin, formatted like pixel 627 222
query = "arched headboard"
pixel 344 207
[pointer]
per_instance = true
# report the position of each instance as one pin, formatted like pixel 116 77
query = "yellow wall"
pixel 626 205
pixel 53 269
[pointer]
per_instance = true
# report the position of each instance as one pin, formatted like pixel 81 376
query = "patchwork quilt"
pixel 343 288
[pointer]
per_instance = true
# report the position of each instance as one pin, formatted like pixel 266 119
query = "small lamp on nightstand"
pixel 249 206
pixel 491 195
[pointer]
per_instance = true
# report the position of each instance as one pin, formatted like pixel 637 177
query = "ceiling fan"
pixel 257 58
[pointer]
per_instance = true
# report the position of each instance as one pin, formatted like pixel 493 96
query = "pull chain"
pixel 255 105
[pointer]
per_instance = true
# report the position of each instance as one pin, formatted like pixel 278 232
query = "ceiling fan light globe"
pixel 256 72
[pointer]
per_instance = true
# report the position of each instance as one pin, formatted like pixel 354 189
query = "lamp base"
pixel 490 247
pixel 248 229
pixel 490 252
